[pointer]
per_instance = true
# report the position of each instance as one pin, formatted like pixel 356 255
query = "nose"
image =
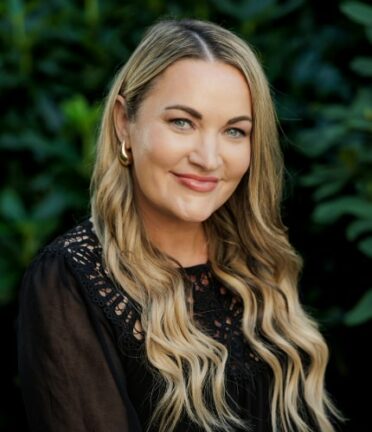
pixel 206 153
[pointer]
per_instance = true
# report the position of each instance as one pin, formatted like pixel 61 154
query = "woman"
pixel 175 307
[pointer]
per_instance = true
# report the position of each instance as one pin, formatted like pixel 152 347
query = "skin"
pixel 163 143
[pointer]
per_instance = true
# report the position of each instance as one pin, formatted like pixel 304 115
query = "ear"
pixel 120 117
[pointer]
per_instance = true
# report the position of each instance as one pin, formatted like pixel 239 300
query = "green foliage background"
pixel 57 61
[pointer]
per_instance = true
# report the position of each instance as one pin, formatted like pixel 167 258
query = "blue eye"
pixel 181 123
pixel 237 133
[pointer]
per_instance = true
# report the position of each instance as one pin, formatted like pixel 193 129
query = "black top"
pixel 82 365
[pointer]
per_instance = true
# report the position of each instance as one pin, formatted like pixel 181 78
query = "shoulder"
pixel 80 240
pixel 58 264
pixel 77 250
pixel 73 262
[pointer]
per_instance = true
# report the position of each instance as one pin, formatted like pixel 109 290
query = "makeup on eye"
pixel 175 120
pixel 241 132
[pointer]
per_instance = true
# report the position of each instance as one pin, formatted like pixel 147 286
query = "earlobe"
pixel 120 118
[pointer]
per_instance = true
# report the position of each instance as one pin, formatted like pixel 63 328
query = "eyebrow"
pixel 197 114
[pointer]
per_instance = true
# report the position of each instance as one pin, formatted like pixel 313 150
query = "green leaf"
pixel 358 12
pixel 361 312
pixel 335 112
pixel 321 174
pixel 360 124
pixel 361 104
pixel 92 12
pixel 357 228
pixel 362 66
pixel 52 205
pixel 76 110
pixel 328 189
pixel 315 142
pixel 330 211
pixel 11 205
pixel 365 246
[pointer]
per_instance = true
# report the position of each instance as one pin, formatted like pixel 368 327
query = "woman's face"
pixel 190 143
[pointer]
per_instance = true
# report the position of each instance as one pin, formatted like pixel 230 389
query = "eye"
pixel 181 123
pixel 236 133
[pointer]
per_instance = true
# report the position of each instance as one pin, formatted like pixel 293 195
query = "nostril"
pixel 207 160
pixel 206 165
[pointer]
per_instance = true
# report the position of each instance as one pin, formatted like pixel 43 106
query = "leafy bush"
pixel 339 144
pixel 57 60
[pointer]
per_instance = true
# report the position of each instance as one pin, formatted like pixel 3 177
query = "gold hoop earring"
pixel 123 156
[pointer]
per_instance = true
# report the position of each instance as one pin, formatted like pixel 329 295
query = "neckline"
pixel 196 267
pixel 192 268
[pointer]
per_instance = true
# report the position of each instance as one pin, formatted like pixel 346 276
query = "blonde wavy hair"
pixel 248 250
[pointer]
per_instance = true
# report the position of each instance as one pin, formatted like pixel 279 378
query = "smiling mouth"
pixel 197 183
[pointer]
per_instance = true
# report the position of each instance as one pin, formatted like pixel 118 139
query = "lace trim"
pixel 220 313
pixel 217 310
pixel 83 252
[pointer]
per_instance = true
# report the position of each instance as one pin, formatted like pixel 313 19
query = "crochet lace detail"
pixel 220 313
pixel 216 309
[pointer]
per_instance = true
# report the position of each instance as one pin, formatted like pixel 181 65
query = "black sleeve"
pixel 69 368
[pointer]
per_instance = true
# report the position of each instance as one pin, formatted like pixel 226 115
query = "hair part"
pixel 248 249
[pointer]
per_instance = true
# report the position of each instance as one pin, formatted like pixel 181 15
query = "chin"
pixel 196 217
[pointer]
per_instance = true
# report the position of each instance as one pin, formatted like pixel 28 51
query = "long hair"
pixel 248 250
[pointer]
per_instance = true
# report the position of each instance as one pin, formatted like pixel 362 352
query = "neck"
pixel 183 241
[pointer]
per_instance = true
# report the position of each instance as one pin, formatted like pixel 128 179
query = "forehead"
pixel 201 84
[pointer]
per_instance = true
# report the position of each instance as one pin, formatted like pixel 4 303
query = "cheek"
pixel 239 163
pixel 155 148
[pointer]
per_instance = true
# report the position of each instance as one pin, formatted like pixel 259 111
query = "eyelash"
pixel 173 121
pixel 180 119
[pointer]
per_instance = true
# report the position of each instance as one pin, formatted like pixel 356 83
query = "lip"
pixel 197 183
pixel 196 177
